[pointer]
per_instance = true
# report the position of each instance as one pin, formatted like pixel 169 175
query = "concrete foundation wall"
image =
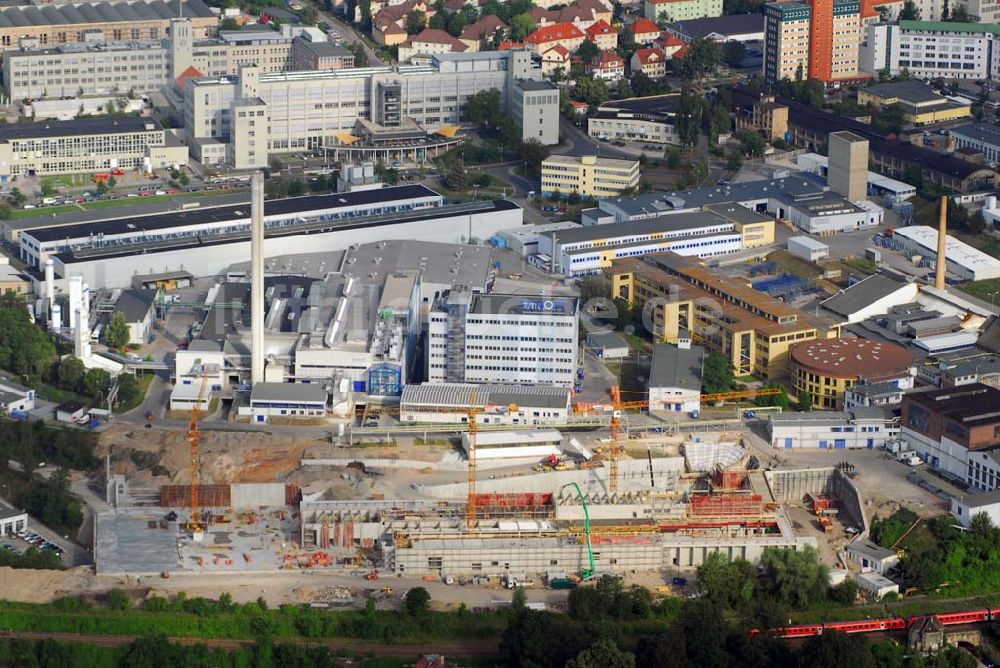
pixel 253 495
pixel 793 485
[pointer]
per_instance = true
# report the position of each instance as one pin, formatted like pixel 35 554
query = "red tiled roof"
pixel 607 59
pixel 645 27
pixel 577 104
pixel 671 40
pixel 436 36
pixel 554 33
pixel 191 72
pixel 560 49
pixel 483 27
pixel 507 45
pixel 649 55
pixel 601 28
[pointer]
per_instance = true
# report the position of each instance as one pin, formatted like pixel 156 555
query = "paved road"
pixel 576 142
pixel 348 33
pixel 467 648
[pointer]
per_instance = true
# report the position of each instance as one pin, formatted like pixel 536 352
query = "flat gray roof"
pixel 908 91
pixel 497 304
pixel 864 292
pixel 677 367
pixel 459 395
pixel 870 549
pixel 607 340
pixel 308 392
pixel 100 12
pixel 691 220
pixel 988 134
pixel 135 304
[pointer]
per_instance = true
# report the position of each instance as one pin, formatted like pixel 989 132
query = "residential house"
pixel 603 35
pixel 389 24
pixel 564 34
pixel 582 14
pixel 671 45
pixel 681 10
pixel 645 31
pixel 482 30
pixel 556 58
pixel 651 61
pixel 430 41
pixel 608 66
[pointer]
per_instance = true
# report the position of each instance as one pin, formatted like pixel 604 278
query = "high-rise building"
pixel 818 39
pixel 848 173
pixel 931 50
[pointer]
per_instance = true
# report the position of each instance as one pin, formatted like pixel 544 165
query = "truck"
pixel 562 583
pixel 512 581
pixel 913 460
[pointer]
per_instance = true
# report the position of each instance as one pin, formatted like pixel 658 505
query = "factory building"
pixel 64 24
pixel 857 428
pixel 675 377
pixel 473 338
pixel 286 401
pixel 718 230
pixel 110 253
pixel 951 428
pixel 826 369
pixel 753 330
pixel 449 403
pixel 87 145
pixel 963 261
pixel 100 65
pixel 531 444
pixel 403 110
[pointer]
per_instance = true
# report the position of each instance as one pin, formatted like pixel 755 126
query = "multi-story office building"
pixel 751 329
pixel 827 369
pixel 475 338
pixel 818 39
pixel 98 66
pixel 955 431
pixel 86 145
pixel 931 49
pixel 981 137
pixel 315 110
pixel 138 20
pixel 589 175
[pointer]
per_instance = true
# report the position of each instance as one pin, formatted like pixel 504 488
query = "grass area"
pixel 144 382
pixel 861 264
pixel 920 605
pixel 68 180
pixel 987 290
pixel 57 394
pixel 110 204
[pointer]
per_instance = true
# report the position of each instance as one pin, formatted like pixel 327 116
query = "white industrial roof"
pixel 874 178
pixel 809 243
pixel 530 437
pixel 956 251
pixel 947 341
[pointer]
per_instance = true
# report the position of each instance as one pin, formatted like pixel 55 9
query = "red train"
pixel 887 624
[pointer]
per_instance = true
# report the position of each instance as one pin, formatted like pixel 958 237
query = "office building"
pixel 448 403
pixel 751 329
pixel 932 49
pixel 87 145
pixel 137 20
pixel 475 338
pixel 399 112
pixel 286 401
pixel 718 230
pixel 589 176
pixel 854 429
pixel 952 428
pixel 827 369
pixel 848 166
pixel 643 119
pixel 15 397
pixel 808 249
pixel 819 39
pixel 920 103
pixel 670 11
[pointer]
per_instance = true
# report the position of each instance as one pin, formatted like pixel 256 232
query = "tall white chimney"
pixel 75 299
pixel 257 277
pixel 50 281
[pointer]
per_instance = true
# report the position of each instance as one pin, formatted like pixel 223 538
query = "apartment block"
pixel 818 39
pixel 933 49
pixel 475 338
pixel 752 330
pixel 589 175
pixel 681 10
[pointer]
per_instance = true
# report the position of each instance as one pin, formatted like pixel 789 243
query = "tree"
pixel 17 197
pixel 229 24
pixel 717 375
pixel 909 12
pixel 735 161
pixel 70 373
pixel 112 182
pixel 591 90
pixel 296 188
pixel 129 390
pixel 624 89
pixel 666 648
pixel 833 649
pixel 24 348
pixel 520 27
pixel 753 144
pixel 456 177
pixel 417 601
pixel 183 179
pixel 533 152
pixel 733 53
pixel 845 592
pixel 416 20
pixel 780 399
pixel 48 190
pixel 5 211
pixel 96 383
pixel 102 187
pixel 602 654
pixel 796 578
pixel 360 55
pixel 688 118
pixel 806 400
pixel 117 333
pixel 588 51
pixel 118 600
pixel 484 108
pixel 703 627
pixel 704 56
pixel 730 584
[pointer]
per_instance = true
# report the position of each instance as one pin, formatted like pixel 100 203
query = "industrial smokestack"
pixel 942 246
pixel 50 287
pixel 257 278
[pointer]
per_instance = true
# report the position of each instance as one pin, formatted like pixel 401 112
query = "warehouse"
pixel 826 213
pixel 449 403
pixel 286 400
pixel 195 238
pixel 858 428
pixel 675 377
pixel 808 249
pixel 963 261
pixel 718 230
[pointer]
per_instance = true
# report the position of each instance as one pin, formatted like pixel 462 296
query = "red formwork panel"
pixel 731 479
pixel 513 500
pixel 209 496
pixel 727 505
